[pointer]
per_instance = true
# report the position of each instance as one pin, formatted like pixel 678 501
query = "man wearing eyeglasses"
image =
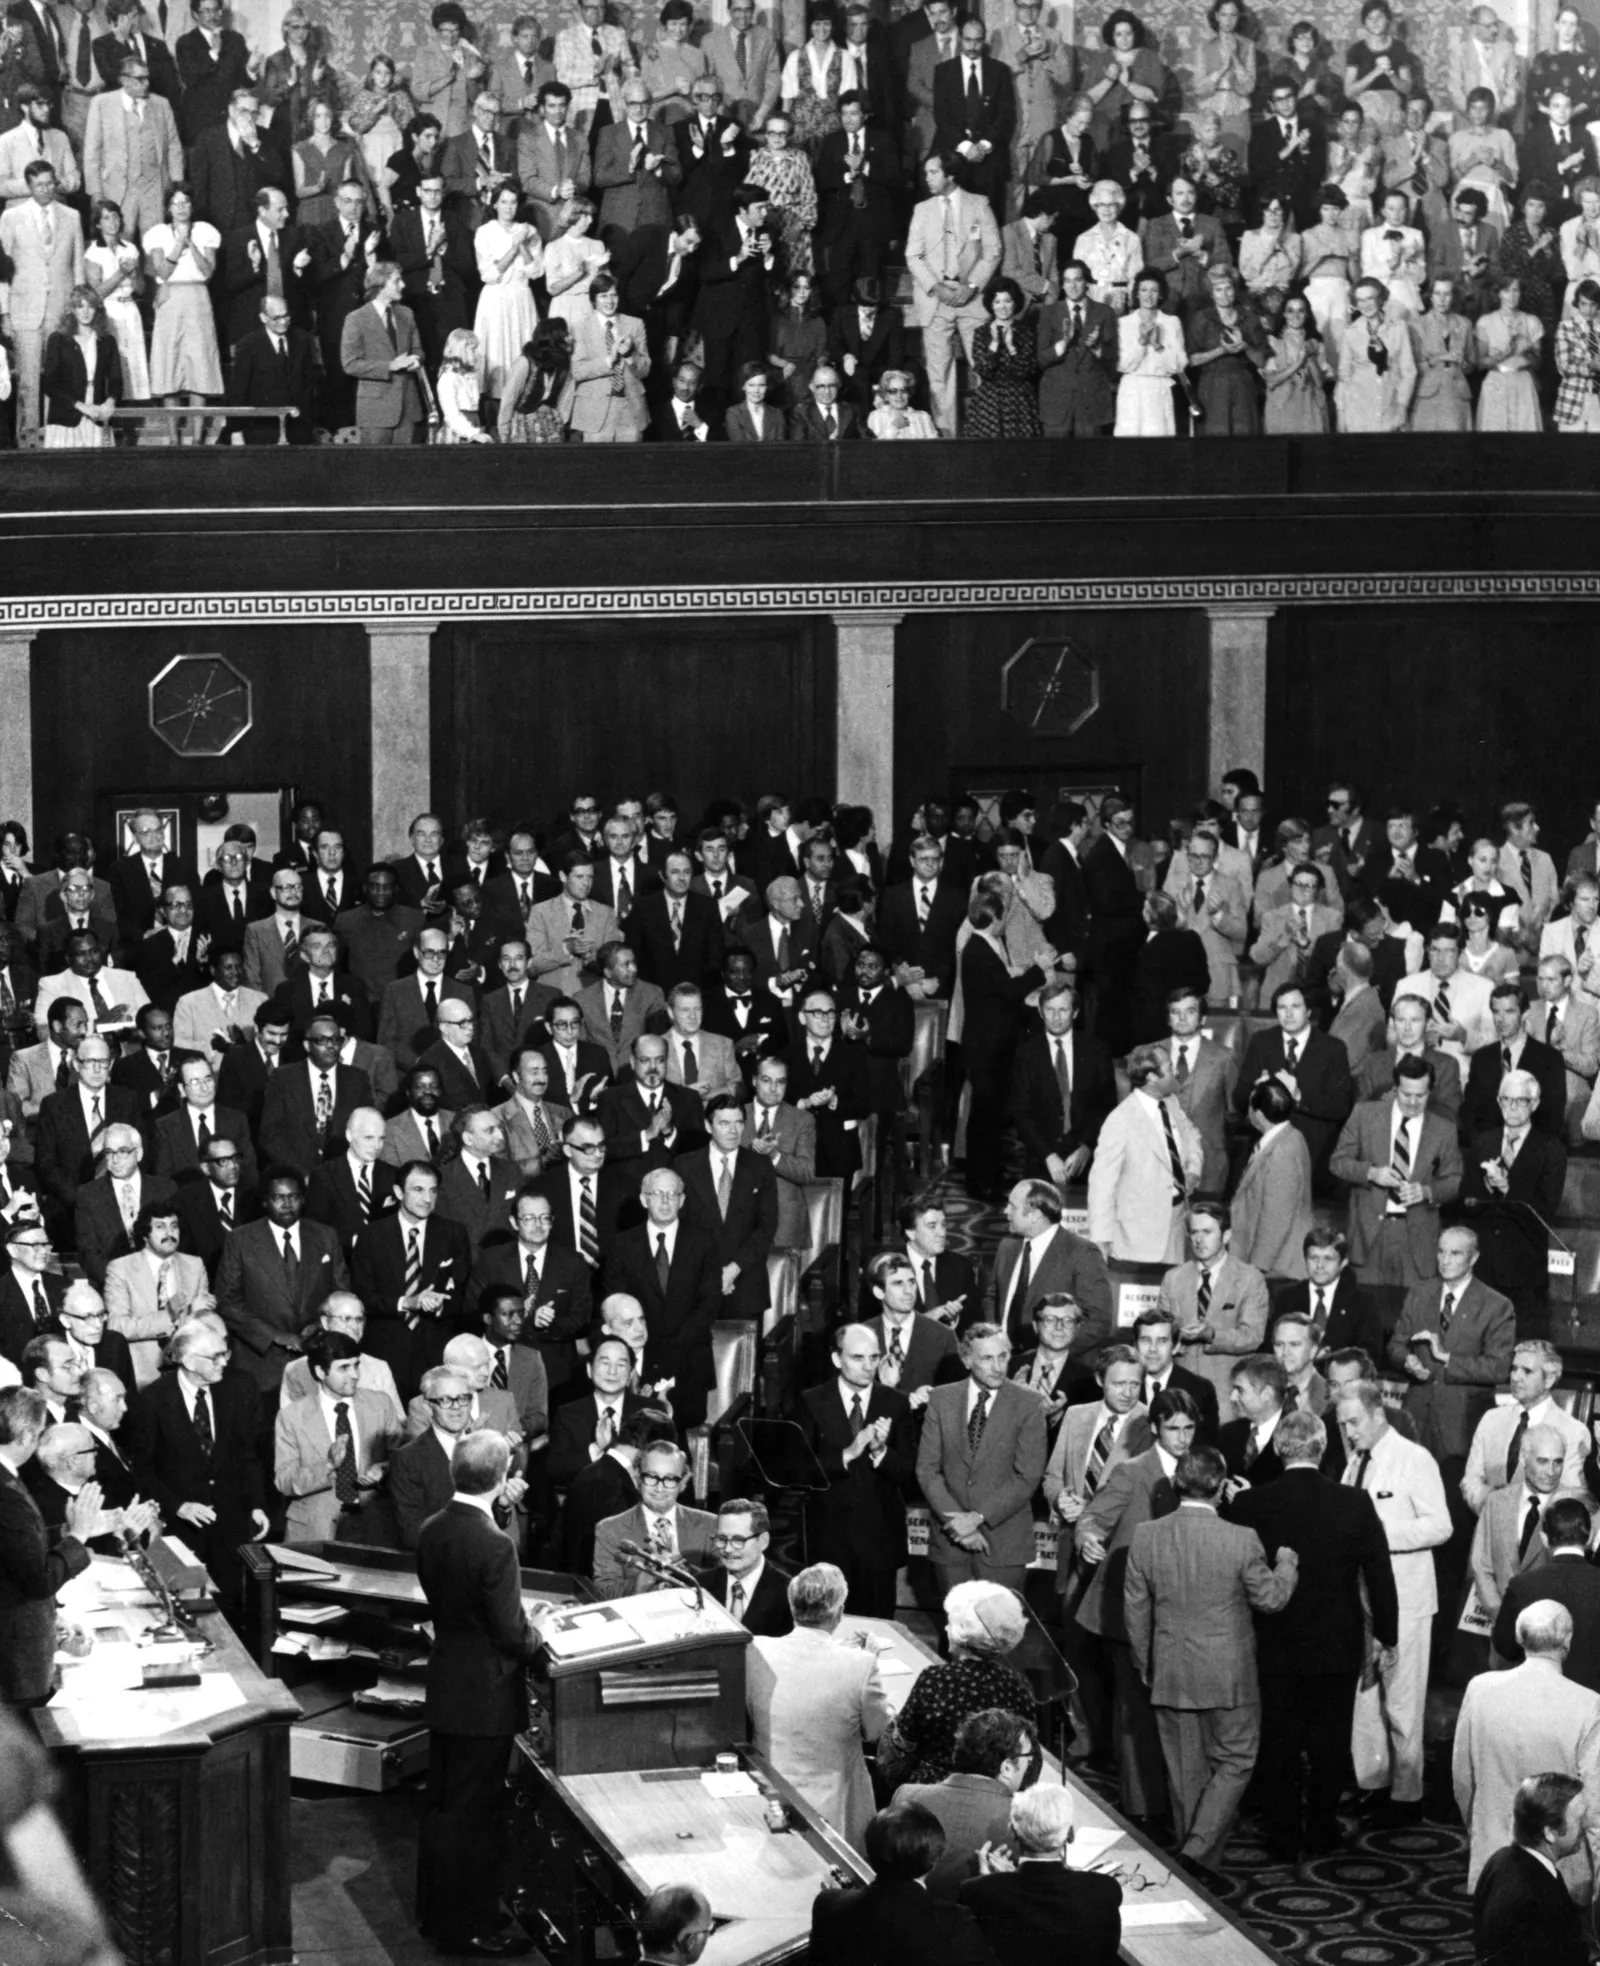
pixel 85 1325
pixel 210 1209
pixel 579 1071
pixel 408 1022
pixel 749 1588
pixel 69 1122
pixel 410 1270
pixel 108 1206
pixel 465 1075
pixel 1352 835
pixel 419 1472
pixel 181 1138
pixel 658 1523
pixel 193 1442
pixel 30 1297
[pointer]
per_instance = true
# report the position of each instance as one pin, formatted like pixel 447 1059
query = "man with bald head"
pixel 108 1206
pixel 85 1322
pixel 308 1105
pixel 408 1022
pixel 103 1406
pixel 272 946
pixel 648 1122
pixel 419 1472
pixel 862 1433
pixel 64 1466
pixel 471 1358
pixel 356 1187
pixel 783 941
pixel 674 1272
pixel 344 1312
pixel 478 1186
pixel 139 878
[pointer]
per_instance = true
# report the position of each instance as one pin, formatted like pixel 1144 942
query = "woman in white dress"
pixel 509 256
pixel 571 260
pixel 1484 154
pixel 1151 354
pixel 1395 252
pixel 181 257
pixel 1111 252
pixel 1328 261
pixel 1377 367
pixel 111 267
pixel 894 420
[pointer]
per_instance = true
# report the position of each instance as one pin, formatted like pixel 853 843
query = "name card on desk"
pixel 1133 1299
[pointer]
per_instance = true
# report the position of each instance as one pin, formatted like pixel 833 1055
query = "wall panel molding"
pixel 29 614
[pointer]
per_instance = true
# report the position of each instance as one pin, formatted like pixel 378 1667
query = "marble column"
pixel 402 752
pixel 1237 729
pixel 16 733
pixel 864 714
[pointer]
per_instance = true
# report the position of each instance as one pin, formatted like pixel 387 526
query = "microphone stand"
pixel 665 1570
pixel 177 1625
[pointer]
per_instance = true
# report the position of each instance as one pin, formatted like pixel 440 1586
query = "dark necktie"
pixel 430 1133
pixel 663 1264
pixel 1530 1524
pixel 202 1136
pixel 1019 1296
pixel 413 1273
pixel 41 1304
pixel 1362 1461
pixel 1291 1399
pixel 1179 1182
pixel 346 1482
pixel 500 1377
pixel 102 1009
pixel 1514 1451
pixel 225 1208
pixel 979 1420
pixel 483 1179
pixel 1319 1315
pixel 1447 1310
pixel 974 94
pixel 588 1223
pixel 1099 1454
pixel 858 1418
pixel 364 1192
pixel 291 1269
pixel 624 895
pixel 1525 862
pixel 430 1001
pixel 1063 1076
pixel 1252 1450
pixel 616 1017
pixel 691 1071
pixel 1203 1297
pixel 204 1432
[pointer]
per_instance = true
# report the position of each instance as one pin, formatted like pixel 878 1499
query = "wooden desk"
pixel 184 1830
pixel 902 1657
pixel 603 1843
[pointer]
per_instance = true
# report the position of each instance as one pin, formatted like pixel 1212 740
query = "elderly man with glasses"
pixel 657 1523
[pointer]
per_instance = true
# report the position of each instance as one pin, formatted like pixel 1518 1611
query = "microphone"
pixel 1472 1202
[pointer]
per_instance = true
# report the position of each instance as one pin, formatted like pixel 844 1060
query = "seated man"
pixel 657 1527
pixel 994 1756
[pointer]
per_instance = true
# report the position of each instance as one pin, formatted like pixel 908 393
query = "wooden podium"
pixel 654 1681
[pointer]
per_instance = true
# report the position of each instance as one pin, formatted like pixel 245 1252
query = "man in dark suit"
pixel 213 64
pixel 1062 1088
pixel 342 249
pixel 1339 1310
pixel 676 934
pixel 307 1106
pixel 316 986
pixel 478 1185
pixel 465 1075
pixel 100 1224
pixel 582 1429
pixel 735 261
pixel 674 1273
pixel 410 1270
pixel 1513 1184
pixel 179 1137
pixel 140 878
pixel 152 1071
pixel 862 1434
pixel 477 159
pixel 1116 907
pixel 210 1209
pixel 64 1148
pixel 433 249
pixel 1155 1336
pixel 731 1197
pixel 476 1705
pixel 513 1016
pixel 1522 1912
pixel 713 156
pixel 554 1283
pixel 265 254
pixel 1512 1050
pixel 1248 1442
pixel 895 1916
pixel 746 1585
pixel 127 37
pixel 167 959
pixel 1310 1654
pixel 192 1439
pixel 648 1122
pixel 607 1485
pixel 31 1571
pixel 232 896
pixel 419 1472
pixel 736 1009
pixel 865 338
pixel 877 1014
pixel 30 1298
pixel 273 1275
pixel 1287 153
pixel 276 364
pixel 1569 1579
pixel 1399 857
pixel 918 921
pixel 830 1079
pixel 859 180
pixel 355 1188
pixel 655 266
pixel 974 113
pixel 1142 165
pixel 1317 1065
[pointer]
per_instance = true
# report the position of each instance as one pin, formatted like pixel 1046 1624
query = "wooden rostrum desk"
pixel 176 1799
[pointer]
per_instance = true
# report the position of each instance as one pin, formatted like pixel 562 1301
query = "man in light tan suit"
pixel 1146 1166
pixel 82 24
pixel 1218 1303
pixel 788 1138
pixel 44 243
pixel 813 1702
pixel 565 933
pixel 952 253
pixel 1205 1073
pixel 132 154
pixel 1509 1537
pixel 750 85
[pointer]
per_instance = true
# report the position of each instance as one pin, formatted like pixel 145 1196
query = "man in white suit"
pixel 44 243
pixel 1458 1002
pixel 223 1013
pixel 952 253
pixel 1532 1717
pixel 132 154
pixel 1500 1436
pixel 715 1063
pixel 565 933
pixel 813 1702
pixel 331 1447
pixel 1146 1165
pixel 1404 1482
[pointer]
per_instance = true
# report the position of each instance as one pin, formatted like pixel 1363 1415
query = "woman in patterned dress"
pixel 791 190
pixel 813 78
pixel 1005 359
